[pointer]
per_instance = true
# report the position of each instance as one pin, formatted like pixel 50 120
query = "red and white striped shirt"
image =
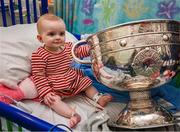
pixel 52 72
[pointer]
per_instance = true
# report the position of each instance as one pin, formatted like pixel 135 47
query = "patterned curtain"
pixel 65 9
pixel 90 16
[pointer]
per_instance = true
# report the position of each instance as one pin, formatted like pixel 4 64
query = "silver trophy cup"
pixel 136 57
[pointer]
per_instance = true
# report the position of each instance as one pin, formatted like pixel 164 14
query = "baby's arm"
pixel 82 51
pixel 39 76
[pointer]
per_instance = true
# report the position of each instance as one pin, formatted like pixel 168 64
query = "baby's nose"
pixel 58 37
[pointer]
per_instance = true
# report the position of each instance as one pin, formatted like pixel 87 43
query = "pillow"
pixel 16 46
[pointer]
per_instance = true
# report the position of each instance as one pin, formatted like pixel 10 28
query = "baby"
pixel 52 73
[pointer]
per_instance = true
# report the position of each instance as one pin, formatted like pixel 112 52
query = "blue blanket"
pixel 170 92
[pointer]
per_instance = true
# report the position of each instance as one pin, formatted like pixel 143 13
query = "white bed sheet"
pixel 82 107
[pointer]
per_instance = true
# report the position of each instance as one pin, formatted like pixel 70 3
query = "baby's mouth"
pixel 57 42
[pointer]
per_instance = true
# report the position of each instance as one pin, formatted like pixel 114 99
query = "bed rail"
pixel 25 119
pixel 17 11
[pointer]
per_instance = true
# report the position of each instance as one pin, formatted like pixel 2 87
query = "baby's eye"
pixel 51 34
pixel 62 33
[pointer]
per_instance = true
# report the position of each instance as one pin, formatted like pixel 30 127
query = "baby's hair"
pixel 47 16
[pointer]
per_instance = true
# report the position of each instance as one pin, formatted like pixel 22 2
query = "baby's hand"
pixel 49 98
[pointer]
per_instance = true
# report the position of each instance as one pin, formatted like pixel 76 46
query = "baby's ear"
pixel 39 38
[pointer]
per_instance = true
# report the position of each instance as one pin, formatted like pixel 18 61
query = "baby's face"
pixel 53 34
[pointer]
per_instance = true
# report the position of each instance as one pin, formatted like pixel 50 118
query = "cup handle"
pixel 74 56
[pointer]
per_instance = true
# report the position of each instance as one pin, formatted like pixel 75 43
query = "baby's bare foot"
pixel 74 120
pixel 104 99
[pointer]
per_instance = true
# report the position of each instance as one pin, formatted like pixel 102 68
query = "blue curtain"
pixel 90 16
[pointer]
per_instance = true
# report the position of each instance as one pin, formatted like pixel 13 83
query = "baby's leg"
pixel 7 94
pixel 104 99
pixel 101 99
pixel 26 90
pixel 65 110
pixel 28 87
